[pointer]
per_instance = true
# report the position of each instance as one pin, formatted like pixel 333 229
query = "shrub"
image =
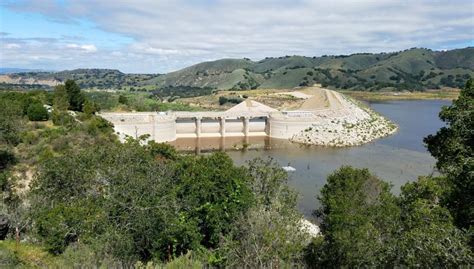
pixel 63 119
pixel 123 100
pixel 6 158
pixel 222 100
pixel 98 125
pixel 37 112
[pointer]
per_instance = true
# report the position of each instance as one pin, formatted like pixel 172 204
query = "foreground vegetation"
pixel 74 195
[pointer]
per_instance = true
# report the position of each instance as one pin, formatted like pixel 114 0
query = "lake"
pixel 398 159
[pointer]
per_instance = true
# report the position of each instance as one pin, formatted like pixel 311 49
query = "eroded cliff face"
pixel 28 81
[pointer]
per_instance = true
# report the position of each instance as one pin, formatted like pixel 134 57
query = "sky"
pixel 159 36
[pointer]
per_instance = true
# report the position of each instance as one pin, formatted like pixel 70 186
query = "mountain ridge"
pixel 411 69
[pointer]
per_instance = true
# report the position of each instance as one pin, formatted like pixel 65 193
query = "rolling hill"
pixel 86 78
pixel 412 69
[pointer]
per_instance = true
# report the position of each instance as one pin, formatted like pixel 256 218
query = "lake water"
pixel 398 158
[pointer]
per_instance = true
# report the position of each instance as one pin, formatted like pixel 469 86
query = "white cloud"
pixel 84 48
pixel 172 34
pixel 12 46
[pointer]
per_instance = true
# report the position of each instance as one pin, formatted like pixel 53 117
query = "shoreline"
pixel 443 94
pixel 358 125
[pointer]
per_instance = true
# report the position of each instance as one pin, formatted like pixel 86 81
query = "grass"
pixel 443 94
pixel 25 255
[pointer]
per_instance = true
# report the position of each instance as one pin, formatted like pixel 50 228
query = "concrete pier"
pixel 198 126
pixel 222 126
pixel 246 126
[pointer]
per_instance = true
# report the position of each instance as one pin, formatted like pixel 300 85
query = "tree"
pixel 60 99
pixel 162 151
pixel 427 235
pixel 63 118
pixel 364 225
pixel 215 193
pixel 269 233
pixel 358 214
pixel 452 146
pixel 65 199
pixel 134 204
pixel 37 112
pixel 75 96
pixel 11 122
pixel 90 107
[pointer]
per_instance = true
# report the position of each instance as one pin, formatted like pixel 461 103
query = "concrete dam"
pixel 325 118
pixel 246 119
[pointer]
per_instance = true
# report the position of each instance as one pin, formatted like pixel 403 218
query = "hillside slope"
pixel 413 69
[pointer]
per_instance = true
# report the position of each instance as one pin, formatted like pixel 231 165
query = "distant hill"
pixel 412 69
pixel 86 78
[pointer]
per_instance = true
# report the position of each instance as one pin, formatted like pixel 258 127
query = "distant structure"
pixel 249 118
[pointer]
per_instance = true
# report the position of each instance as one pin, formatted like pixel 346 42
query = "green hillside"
pixel 412 69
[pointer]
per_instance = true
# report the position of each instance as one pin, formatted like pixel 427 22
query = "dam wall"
pixel 166 127
pixel 160 128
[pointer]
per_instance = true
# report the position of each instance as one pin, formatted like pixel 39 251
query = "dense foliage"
pixel 364 225
pixel 159 207
pixel 453 147
pixel 37 112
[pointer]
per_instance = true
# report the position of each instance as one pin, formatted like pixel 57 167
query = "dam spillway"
pixel 246 119
pixel 165 127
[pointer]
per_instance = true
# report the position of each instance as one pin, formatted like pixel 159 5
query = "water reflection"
pixel 209 144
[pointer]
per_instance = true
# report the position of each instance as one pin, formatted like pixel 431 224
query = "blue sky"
pixel 35 25
pixel 160 36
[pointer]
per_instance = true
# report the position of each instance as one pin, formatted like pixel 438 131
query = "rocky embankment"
pixel 350 125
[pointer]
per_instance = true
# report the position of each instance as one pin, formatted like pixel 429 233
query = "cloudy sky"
pixel 151 36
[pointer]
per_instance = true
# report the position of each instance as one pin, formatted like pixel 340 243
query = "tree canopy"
pixel 364 225
pixel 75 97
pixel 453 148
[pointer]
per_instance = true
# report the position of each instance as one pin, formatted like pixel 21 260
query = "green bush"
pixel 6 158
pixel 123 100
pixel 222 100
pixel 98 125
pixel 63 118
pixel 37 112
pixel 162 150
